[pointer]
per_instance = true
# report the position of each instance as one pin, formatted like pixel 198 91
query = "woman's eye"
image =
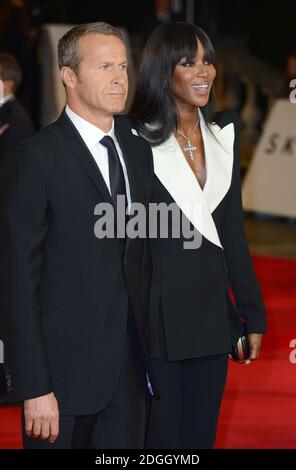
pixel 207 62
pixel 188 63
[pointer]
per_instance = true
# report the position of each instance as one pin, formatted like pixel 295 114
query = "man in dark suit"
pixel 15 123
pixel 75 306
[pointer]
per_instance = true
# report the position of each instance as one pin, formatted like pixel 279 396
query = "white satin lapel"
pixel 219 161
pixel 172 169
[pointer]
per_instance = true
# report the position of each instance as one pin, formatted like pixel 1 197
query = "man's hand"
pixel 255 340
pixel 42 417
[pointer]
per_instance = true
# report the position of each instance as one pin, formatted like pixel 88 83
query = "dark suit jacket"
pixel 65 293
pixel 189 296
pixel 20 125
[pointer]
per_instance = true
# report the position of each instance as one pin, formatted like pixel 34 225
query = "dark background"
pixel 267 27
pixel 263 28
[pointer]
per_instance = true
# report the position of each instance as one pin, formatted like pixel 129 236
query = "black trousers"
pixel 122 423
pixel 186 415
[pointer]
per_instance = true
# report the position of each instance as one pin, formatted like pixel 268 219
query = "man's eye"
pixel 104 66
pixel 123 67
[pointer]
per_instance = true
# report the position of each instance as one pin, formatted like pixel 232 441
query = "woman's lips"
pixel 201 89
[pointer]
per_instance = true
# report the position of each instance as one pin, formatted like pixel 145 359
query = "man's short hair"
pixel 68 50
pixel 10 69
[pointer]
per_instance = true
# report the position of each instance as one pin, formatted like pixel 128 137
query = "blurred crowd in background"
pixel 256 52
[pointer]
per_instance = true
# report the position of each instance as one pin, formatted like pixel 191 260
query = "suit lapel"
pixel 175 174
pixel 126 152
pixel 131 151
pixel 4 109
pixel 83 155
pixel 219 161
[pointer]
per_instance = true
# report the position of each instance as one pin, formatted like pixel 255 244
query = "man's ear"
pixel 69 77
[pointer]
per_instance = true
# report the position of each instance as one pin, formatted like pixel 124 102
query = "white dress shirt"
pixel 91 136
pixel 4 99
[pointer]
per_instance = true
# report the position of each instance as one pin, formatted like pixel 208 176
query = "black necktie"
pixel 116 176
pixel 117 183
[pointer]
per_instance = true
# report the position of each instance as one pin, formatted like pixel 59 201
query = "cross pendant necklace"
pixel 189 148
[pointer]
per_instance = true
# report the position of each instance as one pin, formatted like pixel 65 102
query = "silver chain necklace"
pixel 189 148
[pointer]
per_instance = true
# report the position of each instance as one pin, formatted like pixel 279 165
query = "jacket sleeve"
pixel 23 233
pixel 241 273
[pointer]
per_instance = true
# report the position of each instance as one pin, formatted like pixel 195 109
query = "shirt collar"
pixel 6 98
pixel 90 133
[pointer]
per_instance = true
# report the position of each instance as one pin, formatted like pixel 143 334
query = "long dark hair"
pixel 153 102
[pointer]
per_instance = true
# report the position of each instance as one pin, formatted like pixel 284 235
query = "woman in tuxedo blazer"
pixel 196 165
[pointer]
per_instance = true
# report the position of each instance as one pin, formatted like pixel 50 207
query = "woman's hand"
pixel 255 340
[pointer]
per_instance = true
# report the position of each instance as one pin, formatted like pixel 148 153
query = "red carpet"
pixel 259 407
pixel 10 432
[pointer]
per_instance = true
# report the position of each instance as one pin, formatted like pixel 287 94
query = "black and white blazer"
pixel 189 294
